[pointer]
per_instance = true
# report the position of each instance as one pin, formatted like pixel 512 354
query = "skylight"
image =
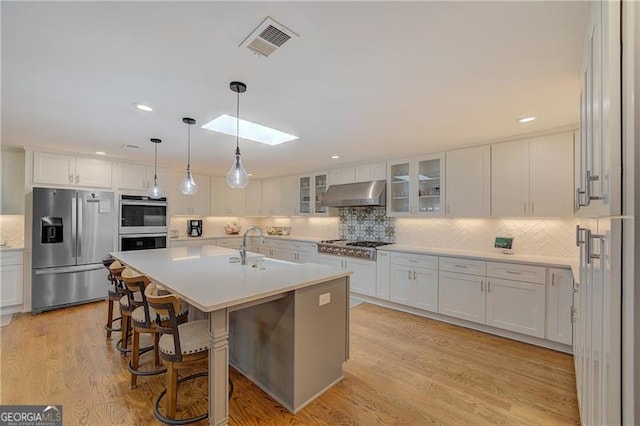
pixel 248 130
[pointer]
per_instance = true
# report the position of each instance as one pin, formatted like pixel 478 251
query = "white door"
pixel 516 306
pixel 11 282
pixel 132 176
pixel 510 179
pixel 53 169
pixel 469 182
pixel 399 188
pixel 426 288
pixel 200 201
pixel 401 285
pixel 559 305
pixel 218 196
pixel 237 201
pixel 429 185
pixel 272 196
pixel 462 296
pixel 253 194
pixel 382 275
pixel 363 280
pixel 94 173
pixel 290 195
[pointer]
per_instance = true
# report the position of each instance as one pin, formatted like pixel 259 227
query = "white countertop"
pixel 204 277
pixel 560 262
pixel 253 234
pixel 9 248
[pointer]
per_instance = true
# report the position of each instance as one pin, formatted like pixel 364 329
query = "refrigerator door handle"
pixel 68 269
pixel 80 219
pixel 74 222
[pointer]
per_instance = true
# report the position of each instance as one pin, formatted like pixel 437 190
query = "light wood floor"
pixel 403 370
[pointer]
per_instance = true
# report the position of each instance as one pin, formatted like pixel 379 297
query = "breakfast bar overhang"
pixel 283 325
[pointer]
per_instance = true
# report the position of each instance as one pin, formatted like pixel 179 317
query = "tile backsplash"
pixel 537 237
pixel 366 224
pixel 12 229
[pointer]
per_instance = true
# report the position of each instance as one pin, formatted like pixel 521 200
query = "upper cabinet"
pixel 416 186
pixel 180 204
pixel 469 182
pixel 224 200
pixel 69 170
pixel 253 197
pixel 342 175
pixel 598 185
pixel 311 189
pixel 533 177
pixel 272 196
pixel 372 171
pixel 12 182
pixel 290 196
pixel 139 177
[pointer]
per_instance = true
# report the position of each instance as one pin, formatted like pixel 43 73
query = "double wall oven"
pixel 143 223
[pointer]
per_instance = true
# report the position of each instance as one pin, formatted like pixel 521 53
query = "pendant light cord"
pixel 189 147
pixel 155 164
pixel 237 122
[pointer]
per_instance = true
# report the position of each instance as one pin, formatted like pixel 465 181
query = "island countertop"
pixel 204 277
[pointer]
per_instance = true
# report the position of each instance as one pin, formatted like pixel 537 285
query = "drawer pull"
pixel 514 272
pixel 461 266
pixel 412 260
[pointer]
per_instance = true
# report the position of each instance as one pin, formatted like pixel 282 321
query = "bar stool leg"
pixel 109 318
pixel 156 351
pixel 172 390
pixel 125 335
pixel 135 356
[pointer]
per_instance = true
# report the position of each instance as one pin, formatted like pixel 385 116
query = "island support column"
pixel 218 367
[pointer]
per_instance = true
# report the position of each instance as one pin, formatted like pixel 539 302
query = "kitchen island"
pixel 283 325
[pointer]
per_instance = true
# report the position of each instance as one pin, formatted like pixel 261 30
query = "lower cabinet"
pixel 382 271
pixel 11 281
pixel 516 306
pixel 462 296
pixel 291 251
pixel 559 305
pixel 363 280
pixel 413 285
pixel 232 242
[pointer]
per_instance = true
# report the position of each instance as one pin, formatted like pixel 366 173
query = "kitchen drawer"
pixel 463 266
pixel 415 260
pixel 11 258
pixel 233 242
pixel 303 247
pixel 516 272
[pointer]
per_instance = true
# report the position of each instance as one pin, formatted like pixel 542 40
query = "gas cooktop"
pixel 362 249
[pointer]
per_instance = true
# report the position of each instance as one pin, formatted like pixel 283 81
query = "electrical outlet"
pixel 324 299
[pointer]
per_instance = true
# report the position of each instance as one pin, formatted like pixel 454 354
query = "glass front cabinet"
pixel 311 189
pixel 415 186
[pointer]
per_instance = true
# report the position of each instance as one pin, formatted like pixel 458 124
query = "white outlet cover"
pixel 324 299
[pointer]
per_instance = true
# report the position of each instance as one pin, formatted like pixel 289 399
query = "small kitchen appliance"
pixel 194 227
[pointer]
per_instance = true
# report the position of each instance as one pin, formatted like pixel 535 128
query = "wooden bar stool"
pixel 129 301
pixel 143 320
pixel 181 346
pixel 114 293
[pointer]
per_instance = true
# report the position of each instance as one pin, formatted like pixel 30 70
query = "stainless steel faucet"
pixel 243 247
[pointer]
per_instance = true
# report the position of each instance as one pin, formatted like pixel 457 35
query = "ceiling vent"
pixel 268 37
pixel 129 146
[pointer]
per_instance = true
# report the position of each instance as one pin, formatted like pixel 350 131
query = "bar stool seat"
pixel 194 338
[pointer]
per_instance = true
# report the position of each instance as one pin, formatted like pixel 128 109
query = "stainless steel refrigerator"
pixel 72 232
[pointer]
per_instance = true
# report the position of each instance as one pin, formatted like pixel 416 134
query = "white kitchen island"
pixel 283 325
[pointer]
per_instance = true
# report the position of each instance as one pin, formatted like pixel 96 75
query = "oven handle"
pixel 143 235
pixel 143 203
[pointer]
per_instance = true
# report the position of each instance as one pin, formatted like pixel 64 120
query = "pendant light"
pixel 188 185
pixel 237 176
pixel 155 191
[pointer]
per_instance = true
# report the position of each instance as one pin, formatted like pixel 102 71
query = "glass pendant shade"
pixel 188 185
pixel 155 191
pixel 237 176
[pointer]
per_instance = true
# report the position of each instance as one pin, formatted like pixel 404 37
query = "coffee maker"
pixel 194 227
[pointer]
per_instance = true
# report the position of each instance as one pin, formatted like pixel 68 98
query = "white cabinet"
pixel 415 187
pixel 139 177
pixel 370 172
pixel 469 182
pixel 383 266
pixel 533 177
pixel 516 304
pixel 414 280
pixel 363 280
pixel 12 182
pixel 342 175
pixel 272 196
pixel 11 281
pixel 61 169
pixel 600 169
pixel 292 251
pixel 311 189
pixel 559 305
pixel 462 288
pixel 197 204
pixel 290 193
pixel 226 201
pixel 253 194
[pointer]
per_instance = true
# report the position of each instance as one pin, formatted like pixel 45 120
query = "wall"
pixel 539 237
pixel 12 230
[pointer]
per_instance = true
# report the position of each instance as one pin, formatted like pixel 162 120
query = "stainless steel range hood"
pixel 356 194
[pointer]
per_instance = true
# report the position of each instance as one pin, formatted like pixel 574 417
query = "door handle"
pixel 579 203
pixel 578 231
pixel 589 178
pixel 591 236
pixel 79 228
pixel 553 279
pixel 74 223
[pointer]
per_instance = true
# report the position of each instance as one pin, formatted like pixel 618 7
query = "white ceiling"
pixel 365 80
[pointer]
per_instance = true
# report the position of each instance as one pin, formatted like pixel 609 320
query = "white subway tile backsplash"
pixel 12 230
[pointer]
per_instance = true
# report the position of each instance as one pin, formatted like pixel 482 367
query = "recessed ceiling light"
pixel 335 157
pixel 525 119
pixel 101 153
pixel 248 130
pixel 142 107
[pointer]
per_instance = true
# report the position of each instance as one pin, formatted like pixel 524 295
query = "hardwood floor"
pixel 403 370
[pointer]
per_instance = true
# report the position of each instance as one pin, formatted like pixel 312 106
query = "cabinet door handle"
pixel 525 207
pixel 414 275
pixel 448 209
pixel 488 286
pixel 409 274
pixel 579 203
pixel 553 279
pixel 481 286
pixel 70 178
pixel 589 178
pixel 532 210
pixel 578 231
pixel 77 178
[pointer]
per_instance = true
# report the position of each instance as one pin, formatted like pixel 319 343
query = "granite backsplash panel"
pixel 366 224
